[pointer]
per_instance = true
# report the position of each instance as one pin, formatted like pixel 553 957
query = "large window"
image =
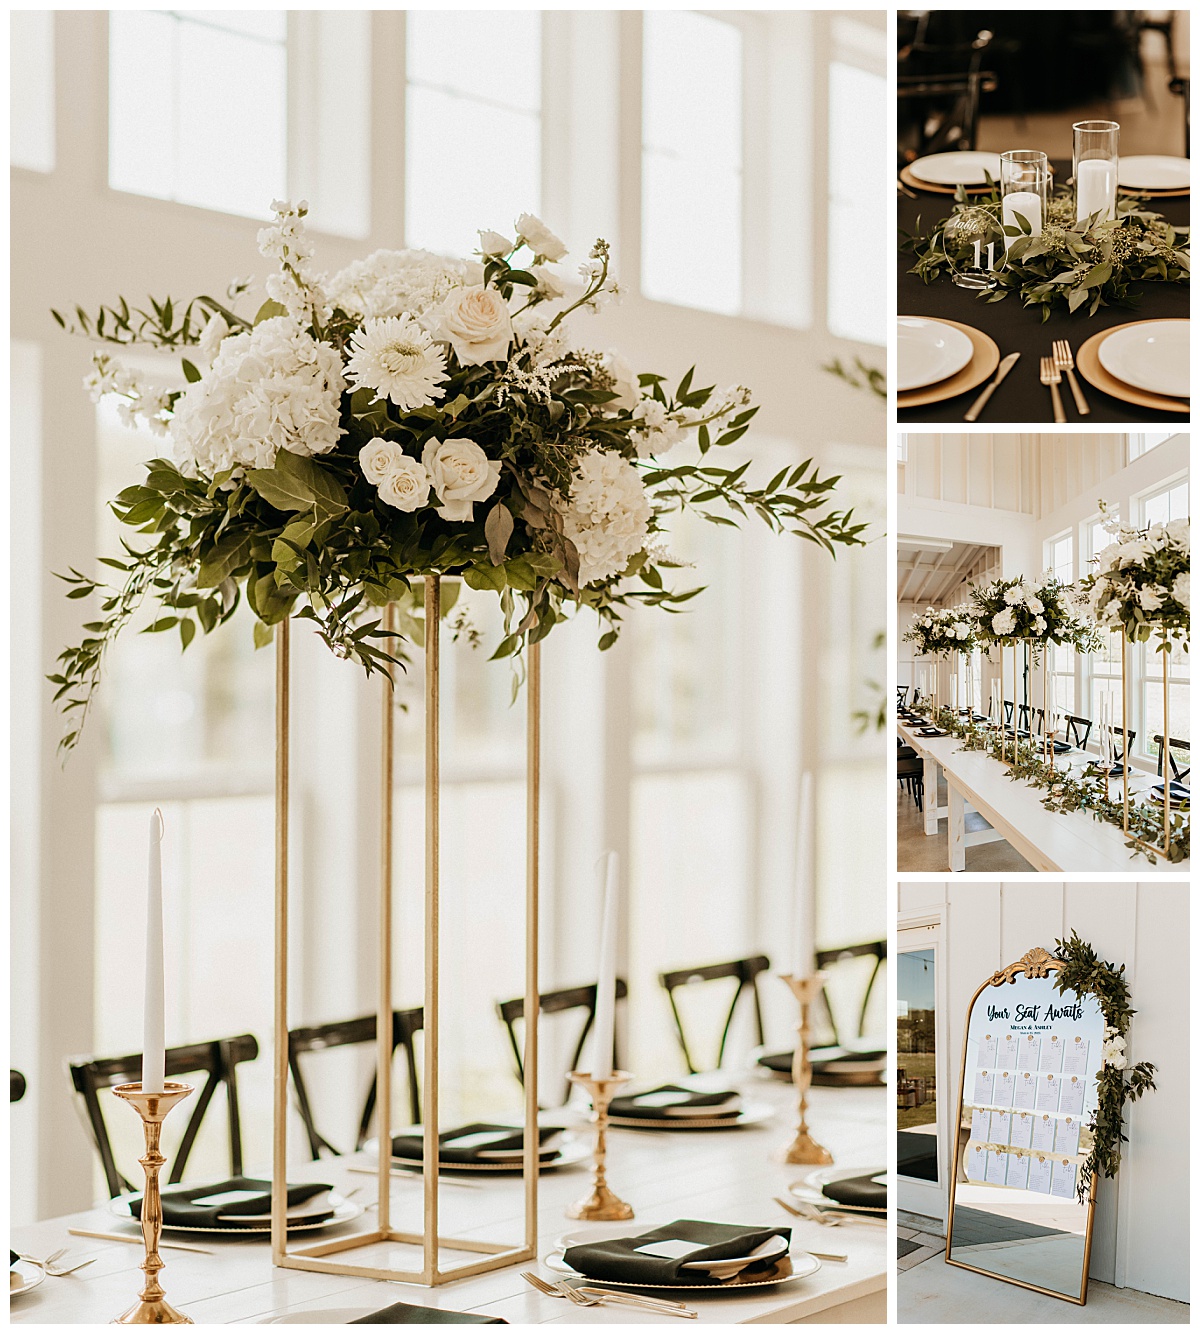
pixel 1162 506
pixel 31 89
pixel 1139 444
pixel 197 106
pixel 916 1064
pixel 474 131
pixel 692 160
pixel 1060 558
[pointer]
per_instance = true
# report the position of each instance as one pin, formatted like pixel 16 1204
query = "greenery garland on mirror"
pixel 1078 265
pixel 1084 973
pixel 1065 792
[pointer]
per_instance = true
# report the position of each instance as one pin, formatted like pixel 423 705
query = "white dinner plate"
pixel 751 1114
pixel 928 351
pixel 966 168
pixel 803 1266
pixel 1153 171
pixel 1153 355
pixel 28 1276
pixel 344 1211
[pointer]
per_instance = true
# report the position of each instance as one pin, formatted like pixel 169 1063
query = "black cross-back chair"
pixel 218 1060
pixel 512 1012
pixel 1178 775
pixel 901 692
pixel 745 972
pixel 910 774
pixel 1008 713
pixel 16 1085
pixel 406 1024
pixel 827 960
pixel 1077 731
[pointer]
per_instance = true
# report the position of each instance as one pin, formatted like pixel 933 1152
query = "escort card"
pixel 980 1124
pixel 1043 1133
pixel 1006 1056
pixel 1027 1054
pixel 1001 1127
pixel 976 1164
pixel 987 1050
pixel 1075 1057
pixel 1062 1182
pixel 1025 1094
pixel 1018 1170
pixel 1005 1085
pixel 1048 1089
pixel 1021 1132
pixel 997 1167
pixel 1052 1052
pixel 985 1086
pixel 1073 1089
pixel 1039 1174
pixel 1066 1137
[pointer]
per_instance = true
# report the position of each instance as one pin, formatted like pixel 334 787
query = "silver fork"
pixel 57 1271
pixel 1064 360
pixel 1051 377
pixel 596 1297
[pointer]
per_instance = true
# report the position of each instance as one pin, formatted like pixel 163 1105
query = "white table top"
pixel 1074 841
pixel 729 1176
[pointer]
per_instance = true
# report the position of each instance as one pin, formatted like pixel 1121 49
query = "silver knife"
pixel 1002 370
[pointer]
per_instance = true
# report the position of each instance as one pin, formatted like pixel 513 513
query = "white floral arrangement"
pixel 1142 582
pixel 1008 611
pixel 942 630
pixel 411 415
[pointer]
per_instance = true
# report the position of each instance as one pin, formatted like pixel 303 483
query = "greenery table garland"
pixel 1079 265
pixel 1084 973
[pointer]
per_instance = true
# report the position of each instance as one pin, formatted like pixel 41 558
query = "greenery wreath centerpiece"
pixel 1085 264
pixel 1083 972
pixel 941 630
pixel 412 415
pixel 1010 611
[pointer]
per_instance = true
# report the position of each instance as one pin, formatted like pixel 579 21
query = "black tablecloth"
pixel 1022 397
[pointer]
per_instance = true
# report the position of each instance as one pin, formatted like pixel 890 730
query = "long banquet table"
pixel 729 1175
pixel 1075 841
pixel 1022 397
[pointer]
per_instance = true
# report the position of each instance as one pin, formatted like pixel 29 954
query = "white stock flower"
pixel 476 323
pixel 492 243
pixel 540 239
pixel 657 430
pixel 625 383
pixel 1004 622
pixel 405 486
pixel 398 282
pixel 531 328
pixel 461 474
pixel 399 360
pixel 274 387
pixel 607 515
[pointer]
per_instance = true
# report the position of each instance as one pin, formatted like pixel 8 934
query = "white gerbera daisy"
pixel 399 360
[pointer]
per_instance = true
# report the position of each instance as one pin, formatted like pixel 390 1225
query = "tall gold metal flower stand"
pixel 1164 651
pixel 331 1256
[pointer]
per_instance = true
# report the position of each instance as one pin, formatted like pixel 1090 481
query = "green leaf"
pixel 498 528
pixel 269 310
pixel 485 577
pixel 296 483
pixel 230 552
pixel 263 634
pixel 187 631
pixel 190 373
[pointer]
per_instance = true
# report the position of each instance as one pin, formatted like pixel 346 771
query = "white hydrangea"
pixel 399 282
pixel 607 516
pixel 1004 622
pixel 273 388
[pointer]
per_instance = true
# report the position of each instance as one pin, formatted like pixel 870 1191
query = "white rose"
pixel 625 383
pixel 541 239
pixel 492 243
pixel 1178 532
pixel 1035 606
pixel 379 457
pixel 461 474
pixel 406 484
pixel 1181 589
pixel 1149 597
pixel 549 284
pixel 476 323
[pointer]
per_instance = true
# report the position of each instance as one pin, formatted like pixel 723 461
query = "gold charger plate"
pixel 1153 194
pixel 985 357
pixel 751 1115
pixel 1087 363
pixel 928 187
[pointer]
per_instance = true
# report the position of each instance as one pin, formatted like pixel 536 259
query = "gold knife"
pixel 1001 371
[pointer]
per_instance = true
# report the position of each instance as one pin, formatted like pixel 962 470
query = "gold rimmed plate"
pixel 985 358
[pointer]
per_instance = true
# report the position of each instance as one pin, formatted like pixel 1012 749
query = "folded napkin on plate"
pixel 863 1192
pixel 220 1203
pixel 13 1257
pixel 1179 791
pixel 404 1314
pixel 477 1143
pixel 621 1260
pixel 671 1101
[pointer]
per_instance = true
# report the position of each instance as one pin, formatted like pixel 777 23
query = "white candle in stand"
pixel 1096 188
pixel 606 986
pixel 804 931
pixel 1029 206
pixel 154 1045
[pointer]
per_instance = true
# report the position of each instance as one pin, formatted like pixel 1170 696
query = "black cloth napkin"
pixel 181 1210
pixel 402 1313
pixel 861 1191
pixel 618 1261
pixel 629 1105
pixel 13 1257
pixel 412 1147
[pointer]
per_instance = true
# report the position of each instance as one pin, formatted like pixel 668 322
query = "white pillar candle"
pixel 804 919
pixel 606 985
pixel 1096 188
pixel 1028 205
pixel 154 1053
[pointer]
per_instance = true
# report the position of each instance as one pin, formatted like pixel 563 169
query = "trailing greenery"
pixel 860 376
pixel 1076 265
pixel 1084 973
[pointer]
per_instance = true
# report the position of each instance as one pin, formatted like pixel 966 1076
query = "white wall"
pixel 1141 1237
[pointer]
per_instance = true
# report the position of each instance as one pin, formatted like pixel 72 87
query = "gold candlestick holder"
pixel 804 1149
pixel 601 1206
pixel 152 1308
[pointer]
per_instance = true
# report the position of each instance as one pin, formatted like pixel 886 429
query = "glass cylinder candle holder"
pixel 1024 187
pixel 1094 167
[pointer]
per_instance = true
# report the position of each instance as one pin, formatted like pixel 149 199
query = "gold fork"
pixel 596 1297
pixel 1051 377
pixel 1064 360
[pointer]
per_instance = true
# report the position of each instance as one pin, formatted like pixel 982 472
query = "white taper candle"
pixel 804 922
pixel 154 1054
pixel 606 992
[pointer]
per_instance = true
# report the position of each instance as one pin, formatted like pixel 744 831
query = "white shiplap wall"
pixel 1141 1237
